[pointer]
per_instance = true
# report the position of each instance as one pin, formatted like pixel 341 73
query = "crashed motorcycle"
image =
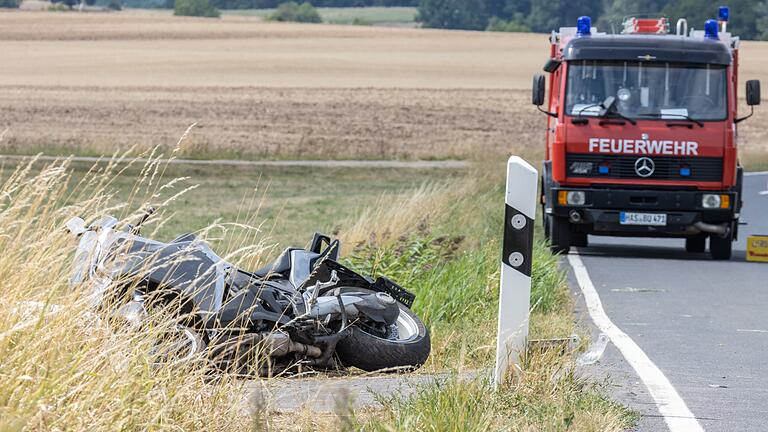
pixel 304 310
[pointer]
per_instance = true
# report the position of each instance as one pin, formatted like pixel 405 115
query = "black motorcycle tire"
pixel 373 353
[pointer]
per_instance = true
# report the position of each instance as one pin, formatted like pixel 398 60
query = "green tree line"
pixel 749 18
pixel 269 4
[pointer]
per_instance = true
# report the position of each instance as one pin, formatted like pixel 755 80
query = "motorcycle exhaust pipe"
pixel 711 228
pixel 278 344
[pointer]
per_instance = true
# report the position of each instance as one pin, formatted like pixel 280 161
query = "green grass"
pixel 451 262
pixel 289 204
pixel 352 15
pixel 557 400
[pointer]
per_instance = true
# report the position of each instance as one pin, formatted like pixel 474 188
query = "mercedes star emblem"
pixel 644 167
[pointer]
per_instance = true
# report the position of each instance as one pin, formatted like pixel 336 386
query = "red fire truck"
pixel 641 134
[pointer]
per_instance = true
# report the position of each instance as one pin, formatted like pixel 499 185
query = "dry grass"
pixel 63 368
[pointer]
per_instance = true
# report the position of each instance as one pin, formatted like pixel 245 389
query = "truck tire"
pixel 578 239
pixel 559 234
pixel 696 244
pixel 720 246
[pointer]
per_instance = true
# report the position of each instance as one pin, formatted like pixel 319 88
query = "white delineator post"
pixel 517 255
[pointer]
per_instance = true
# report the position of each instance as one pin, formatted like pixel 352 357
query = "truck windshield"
pixel 648 90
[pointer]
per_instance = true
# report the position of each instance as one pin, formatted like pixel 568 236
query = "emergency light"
pixel 583 26
pixel 710 29
pixel 723 13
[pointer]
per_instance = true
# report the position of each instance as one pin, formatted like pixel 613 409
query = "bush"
pixel 199 8
pixel 499 25
pixel 61 3
pixel 361 22
pixel 9 3
pixel 58 7
pixel 292 11
pixel 453 14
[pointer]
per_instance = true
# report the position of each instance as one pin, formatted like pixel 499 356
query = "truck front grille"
pixel 703 169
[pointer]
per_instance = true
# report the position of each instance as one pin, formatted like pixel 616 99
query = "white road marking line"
pixel 765 192
pixel 752 330
pixel 671 406
pixel 756 173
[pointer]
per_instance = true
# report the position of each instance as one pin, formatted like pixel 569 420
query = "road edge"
pixel 669 403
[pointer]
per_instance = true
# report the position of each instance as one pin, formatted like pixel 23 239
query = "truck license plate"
pixel 652 219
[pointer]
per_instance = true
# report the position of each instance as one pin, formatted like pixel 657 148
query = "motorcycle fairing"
pixel 349 278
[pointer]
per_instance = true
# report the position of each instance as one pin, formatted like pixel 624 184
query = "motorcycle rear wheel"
pixel 407 347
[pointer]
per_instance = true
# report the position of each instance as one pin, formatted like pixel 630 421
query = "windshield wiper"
pixel 619 115
pixel 679 117
pixel 609 107
pixel 580 118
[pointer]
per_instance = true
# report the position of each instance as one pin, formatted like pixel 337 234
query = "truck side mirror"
pixel 753 98
pixel 538 90
pixel 753 92
pixel 551 65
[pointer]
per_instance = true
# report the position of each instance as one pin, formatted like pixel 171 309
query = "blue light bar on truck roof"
pixel 723 13
pixel 710 29
pixel 583 26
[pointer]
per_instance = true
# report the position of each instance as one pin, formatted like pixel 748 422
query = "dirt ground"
pixel 268 123
pixel 93 83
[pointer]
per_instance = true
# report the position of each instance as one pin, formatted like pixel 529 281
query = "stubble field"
pixel 93 83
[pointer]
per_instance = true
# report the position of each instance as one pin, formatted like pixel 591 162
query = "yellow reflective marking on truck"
pixel 757 248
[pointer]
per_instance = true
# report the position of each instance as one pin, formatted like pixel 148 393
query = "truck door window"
pixel 648 90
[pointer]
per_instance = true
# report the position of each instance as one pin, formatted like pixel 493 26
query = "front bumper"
pixel 600 213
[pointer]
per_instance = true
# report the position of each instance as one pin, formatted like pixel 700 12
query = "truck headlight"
pixel 713 201
pixel 575 198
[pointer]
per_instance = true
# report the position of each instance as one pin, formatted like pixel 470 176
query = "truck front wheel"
pixel 720 246
pixel 559 234
pixel 578 239
pixel 696 244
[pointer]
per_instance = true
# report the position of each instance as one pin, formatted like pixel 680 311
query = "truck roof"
pixel 661 48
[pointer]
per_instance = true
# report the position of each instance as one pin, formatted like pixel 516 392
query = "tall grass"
pixel 447 251
pixel 61 366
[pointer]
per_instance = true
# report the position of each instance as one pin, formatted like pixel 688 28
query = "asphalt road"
pixel 703 323
pixel 417 164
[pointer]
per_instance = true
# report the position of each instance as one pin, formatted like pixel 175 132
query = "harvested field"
pixel 268 122
pixel 96 82
pixel 93 83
